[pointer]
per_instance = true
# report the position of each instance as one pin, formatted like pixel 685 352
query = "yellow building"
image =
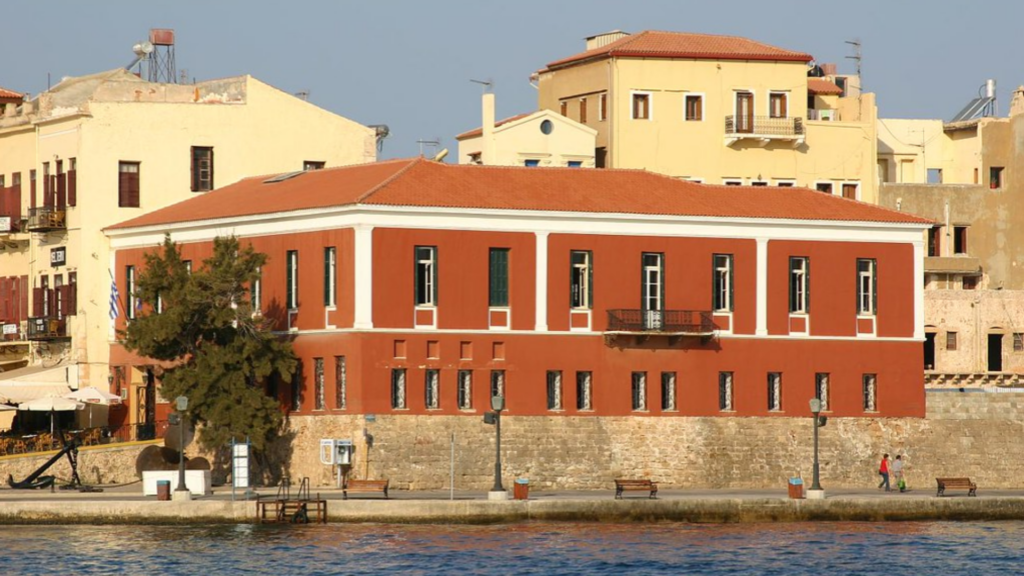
pixel 100 149
pixel 719 110
pixel 543 138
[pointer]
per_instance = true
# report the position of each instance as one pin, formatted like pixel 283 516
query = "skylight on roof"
pixel 285 176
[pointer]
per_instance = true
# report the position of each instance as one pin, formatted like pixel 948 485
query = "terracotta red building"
pixel 416 287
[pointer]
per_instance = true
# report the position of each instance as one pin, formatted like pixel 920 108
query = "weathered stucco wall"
pixel 964 434
pixel 973 315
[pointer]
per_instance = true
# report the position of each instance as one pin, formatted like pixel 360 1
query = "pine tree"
pixel 220 352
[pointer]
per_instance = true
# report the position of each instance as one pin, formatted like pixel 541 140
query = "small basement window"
pixel 995 177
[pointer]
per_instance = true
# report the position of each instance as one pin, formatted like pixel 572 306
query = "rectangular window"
pixel 44 296
pixel 202 168
pixel 723 283
pixel 866 287
pixel 313 165
pixel 870 384
pixel 995 177
pixel 777 107
pixel 581 292
pixel 574 163
pixel 128 184
pixel 849 191
pixel 256 292
pixel 465 390
pixel 639 391
pixel 319 399
pixel 584 391
pixel 694 107
pixel 498 277
pixel 969 283
pixel 935 241
pixel 653 294
pixel 668 391
pixel 188 266
pixel 554 390
pixel 959 239
pixel 340 383
pixel 1018 342
pixel 398 388
pixel 825 187
pixel 774 391
pixel 563 108
pixel 330 276
pixel 426 275
pixel 821 389
pixel 497 384
pixel 951 341
pixel 129 291
pixel 292 289
pixel 641 106
pixel 799 282
pixel 725 392
pixel 432 389
pixel 32 188
pixel 935 175
pixel 602 107
pixel 583 110
pixel 297 389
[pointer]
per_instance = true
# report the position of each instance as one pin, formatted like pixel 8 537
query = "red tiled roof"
pixel 653 44
pixel 479 131
pixel 5 93
pixel 424 183
pixel 822 86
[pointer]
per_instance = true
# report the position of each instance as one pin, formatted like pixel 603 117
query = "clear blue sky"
pixel 408 64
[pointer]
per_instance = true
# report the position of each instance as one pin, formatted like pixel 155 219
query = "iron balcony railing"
pixel 46 328
pixel 764 126
pixel 694 322
pixel 44 218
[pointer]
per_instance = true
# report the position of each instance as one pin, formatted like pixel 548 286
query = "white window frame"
pixel 256 295
pixel 764 183
pixel 585 275
pixel 785 182
pixel 638 391
pixel 465 389
pixel 703 99
pixel 726 391
pixel 735 102
pixel 732 181
pixel 867 292
pixel 129 280
pixel 432 389
pixel 775 391
pixel 584 396
pixel 292 263
pixel 332 288
pixel 723 292
pixel 831 183
pixel 768 109
pixel 650 104
pixel 669 392
pixel 856 183
pixel 425 276
pixel 692 179
pixel 803 305
pixel 869 389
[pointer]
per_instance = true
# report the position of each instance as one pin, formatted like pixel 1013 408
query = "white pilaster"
pixel 762 287
pixel 363 317
pixel 919 290
pixel 541 323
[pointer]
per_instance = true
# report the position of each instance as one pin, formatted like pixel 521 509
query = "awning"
pixel 18 393
pixel 26 384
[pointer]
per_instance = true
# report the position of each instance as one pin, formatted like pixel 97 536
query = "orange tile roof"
pixel 822 86
pixel 654 44
pixel 479 131
pixel 424 183
pixel 5 93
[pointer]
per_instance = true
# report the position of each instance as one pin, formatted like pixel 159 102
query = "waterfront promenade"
pixel 126 505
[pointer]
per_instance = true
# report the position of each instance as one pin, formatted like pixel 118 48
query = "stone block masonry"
pixel 979 434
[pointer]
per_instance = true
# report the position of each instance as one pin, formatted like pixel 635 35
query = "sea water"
pixel 820 549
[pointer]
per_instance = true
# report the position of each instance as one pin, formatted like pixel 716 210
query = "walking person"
pixel 897 473
pixel 883 471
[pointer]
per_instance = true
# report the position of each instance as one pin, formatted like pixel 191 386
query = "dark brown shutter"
pixel 192 168
pixel 72 299
pixel 72 188
pixel 62 191
pixel 133 189
pixel 37 302
pixel 22 297
pixel 210 183
pixel 32 189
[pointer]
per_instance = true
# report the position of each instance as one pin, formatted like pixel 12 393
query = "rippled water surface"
pixel 915 549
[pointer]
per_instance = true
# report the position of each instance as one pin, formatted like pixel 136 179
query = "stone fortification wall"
pixel 96 465
pixel 978 434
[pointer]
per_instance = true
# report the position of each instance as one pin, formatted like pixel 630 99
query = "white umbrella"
pixel 94 395
pixel 50 404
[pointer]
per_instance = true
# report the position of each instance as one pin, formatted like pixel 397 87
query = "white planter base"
pixel 815 494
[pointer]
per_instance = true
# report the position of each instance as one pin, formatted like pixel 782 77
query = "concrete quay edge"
pixel 694 510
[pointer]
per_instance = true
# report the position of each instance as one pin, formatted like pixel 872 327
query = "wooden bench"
pixel 639 485
pixel 956 484
pixel 365 486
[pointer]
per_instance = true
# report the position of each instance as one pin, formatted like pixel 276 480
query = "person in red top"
pixel 883 471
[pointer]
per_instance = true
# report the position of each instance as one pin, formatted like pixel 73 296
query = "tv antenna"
pixel 488 85
pixel 857 55
pixel 436 143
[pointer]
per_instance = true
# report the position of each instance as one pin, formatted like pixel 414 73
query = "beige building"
pixel 963 175
pixel 719 110
pixel 543 138
pixel 100 149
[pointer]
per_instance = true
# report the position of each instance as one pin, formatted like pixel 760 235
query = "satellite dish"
pixel 143 49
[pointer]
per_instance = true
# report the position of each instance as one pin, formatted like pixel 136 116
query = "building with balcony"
pixel 95 150
pixel 962 176
pixel 718 110
pixel 411 287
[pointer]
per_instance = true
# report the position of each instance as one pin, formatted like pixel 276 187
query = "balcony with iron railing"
pixel 764 129
pixel 46 218
pixel 675 324
pixel 45 328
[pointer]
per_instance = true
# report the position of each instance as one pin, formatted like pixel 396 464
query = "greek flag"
pixel 114 297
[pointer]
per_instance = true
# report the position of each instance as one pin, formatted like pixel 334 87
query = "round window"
pixel 547 126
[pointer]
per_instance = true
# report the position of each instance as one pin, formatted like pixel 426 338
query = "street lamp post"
pixel 181 404
pixel 816 490
pixel 498 404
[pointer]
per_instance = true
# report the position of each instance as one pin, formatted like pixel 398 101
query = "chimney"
pixel 487 129
pixel 829 69
pixel 599 40
pixel 1017 101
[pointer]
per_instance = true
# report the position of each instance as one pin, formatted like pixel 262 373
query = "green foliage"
pixel 219 351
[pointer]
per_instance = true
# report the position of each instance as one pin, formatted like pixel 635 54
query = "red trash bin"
pixel 163 490
pixel 521 489
pixel 796 488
